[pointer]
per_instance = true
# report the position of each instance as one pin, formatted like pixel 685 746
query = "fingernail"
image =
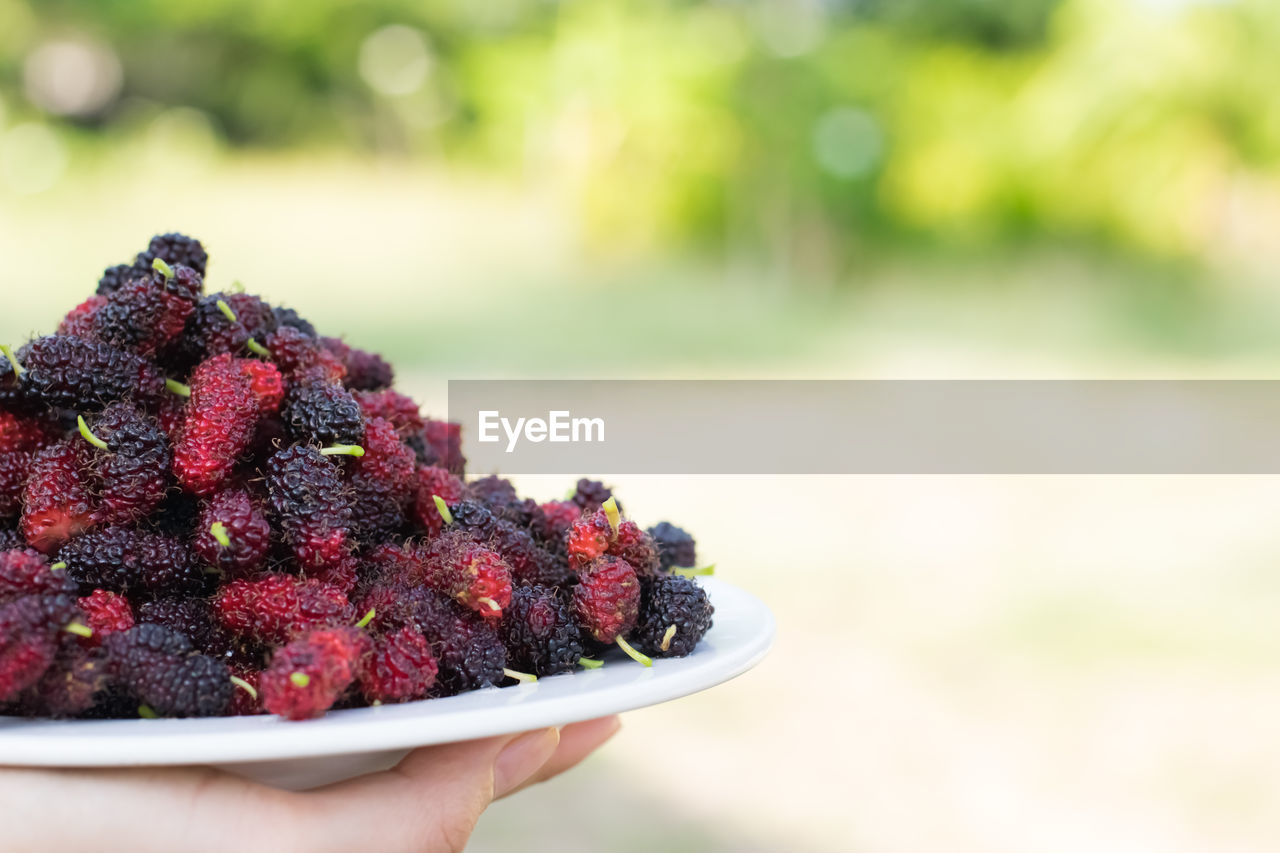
pixel 521 758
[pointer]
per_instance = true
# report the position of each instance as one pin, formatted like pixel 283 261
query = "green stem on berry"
pixel 161 267
pixel 88 435
pixel 343 450
pixel 610 508
pixel 367 618
pixel 237 287
pixel 443 509
pixel 146 712
pixel 667 637
pixel 78 628
pixel 245 686
pixel 13 360
pixel 490 603
pixel 257 348
pixel 689 571
pixel 218 531
pixel 176 387
pixel 58 566
pixel 300 679
pixel 226 310
pixel 632 653
pixel 590 663
pixel 526 677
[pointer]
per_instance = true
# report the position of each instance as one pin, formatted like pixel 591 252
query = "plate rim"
pixel 249 740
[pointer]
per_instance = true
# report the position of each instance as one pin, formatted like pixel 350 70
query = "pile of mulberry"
pixel 210 508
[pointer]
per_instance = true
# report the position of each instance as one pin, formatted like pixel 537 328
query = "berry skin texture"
pixel 275 608
pixel 217 426
pixel 173 249
pixel 24 571
pixel 467 648
pixel 176 249
pixel 311 505
pixel 500 497
pixel 159 668
pixel 114 277
pixel 445 440
pixel 243 702
pixel 433 481
pixel 127 559
pixel 400 667
pixel 382 483
pixel 57 501
pixel 402 411
pixel 308 675
pixel 593 536
pixel 675 546
pixel 170 414
pixel 591 494
pixel 15 467
pixel 473 517
pixel 191 617
pixel 295 353
pixel 343 576
pixel 550 525
pixel 588 539
pixel 674 615
pixel 19 432
pixel 79 322
pixel 323 413
pixel 606 601
pixel 106 613
pixel 636 547
pixel 529 563
pixel 210 332
pixel 29 628
pixel 70 687
pixel 458 566
pixel 493 491
pixel 266 383
pixel 256 316
pixel 540 633
pixel 11 539
pixel 132 473
pixel 367 371
pixel 147 313
pixel 74 373
pixel 244 526
pixel 289 317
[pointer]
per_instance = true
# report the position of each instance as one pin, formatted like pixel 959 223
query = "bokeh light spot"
pixel 395 60
pixel 847 142
pixel 72 77
pixel 790 28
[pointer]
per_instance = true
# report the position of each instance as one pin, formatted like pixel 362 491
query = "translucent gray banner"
pixel 869 427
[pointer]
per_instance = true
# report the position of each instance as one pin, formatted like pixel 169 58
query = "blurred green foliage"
pixel 801 133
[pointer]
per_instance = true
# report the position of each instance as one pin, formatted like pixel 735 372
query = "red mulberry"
pixel 308 675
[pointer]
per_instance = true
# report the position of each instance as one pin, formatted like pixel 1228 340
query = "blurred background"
pixel 783 188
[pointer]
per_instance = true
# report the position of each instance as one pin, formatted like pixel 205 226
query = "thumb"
pixel 429 802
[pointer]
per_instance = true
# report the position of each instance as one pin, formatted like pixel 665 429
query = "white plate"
pixel 343 744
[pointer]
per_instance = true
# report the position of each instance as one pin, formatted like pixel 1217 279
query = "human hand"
pixel 429 803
